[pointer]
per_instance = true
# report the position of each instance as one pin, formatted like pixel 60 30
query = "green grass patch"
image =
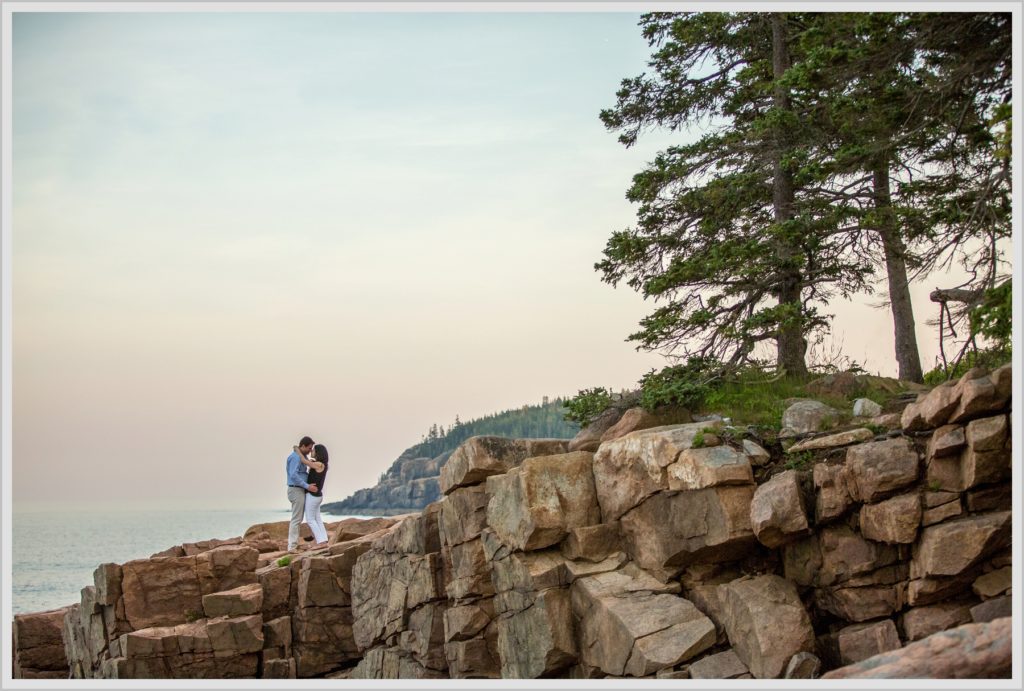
pixel 284 561
pixel 754 397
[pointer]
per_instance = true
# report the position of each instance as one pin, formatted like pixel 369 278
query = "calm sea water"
pixel 55 553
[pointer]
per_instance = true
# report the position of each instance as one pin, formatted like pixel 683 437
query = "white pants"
pixel 316 523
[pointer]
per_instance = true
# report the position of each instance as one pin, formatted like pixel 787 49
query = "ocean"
pixel 55 553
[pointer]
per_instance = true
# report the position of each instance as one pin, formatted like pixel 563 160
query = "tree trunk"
pixel 791 344
pixel 907 356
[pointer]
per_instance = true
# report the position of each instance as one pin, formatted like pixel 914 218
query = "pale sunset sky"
pixel 234 229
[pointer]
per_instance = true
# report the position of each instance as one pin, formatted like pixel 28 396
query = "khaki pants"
pixel 297 497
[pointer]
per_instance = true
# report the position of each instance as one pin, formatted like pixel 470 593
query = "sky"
pixel 232 230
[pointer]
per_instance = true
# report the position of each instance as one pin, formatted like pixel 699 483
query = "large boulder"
pixel 894 520
pixel 861 641
pixel 766 623
pixel 972 651
pixel 161 592
pixel 921 622
pixel 631 625
pixel 469 570
pixel 983 395
pixel 240 601
pixel 668 532
pixel 876 469
pixel 224 568
pixel 107 579
pixel 777 513
pixel 219 648
pixel 950 548
pixel 536 504
pixel 931 409
pixel 463 514
pixel 723 665
pixel 402 572
pixel 538 640
pixel 709 467
pixel 534 624
pixel 806 416
pixel 39 645
pixel 423 636
pixel 478 458
pixel 987 457
pixel 832 484
pixel 637 419
pixel 846 555
pixel 593 543
pixel 589 438
pixel 322 639
pixel 975 394
pixel 629 469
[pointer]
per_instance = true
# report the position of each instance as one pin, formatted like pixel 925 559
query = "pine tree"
pixel 896 101
pixel 727 234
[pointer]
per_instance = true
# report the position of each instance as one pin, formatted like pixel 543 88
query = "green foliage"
pixel 284 561
pixel 755 396
pixel 990 358
pixel 698 440
pixel 799 460
pixel 685 385
pixel 192 615
pixel 993 317
pixel 586 405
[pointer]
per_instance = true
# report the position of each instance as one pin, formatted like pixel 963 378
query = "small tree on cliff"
pixel 726 233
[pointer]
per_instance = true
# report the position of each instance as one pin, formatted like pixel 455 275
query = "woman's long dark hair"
pixel 321 454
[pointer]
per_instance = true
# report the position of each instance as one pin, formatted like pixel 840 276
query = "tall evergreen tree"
pixel 726 232
pixel 902 107
pixel 855 86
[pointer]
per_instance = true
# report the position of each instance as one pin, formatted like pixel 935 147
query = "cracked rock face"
pixel 536 504
pixel 766 623
pixel 630 625
pixel 631 468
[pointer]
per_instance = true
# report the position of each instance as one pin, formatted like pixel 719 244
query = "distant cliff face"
pixel 412 480
pixel 409 485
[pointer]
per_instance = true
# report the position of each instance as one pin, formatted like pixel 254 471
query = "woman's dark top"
pixel 315 478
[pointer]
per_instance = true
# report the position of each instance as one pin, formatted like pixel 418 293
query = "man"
pixel 297 487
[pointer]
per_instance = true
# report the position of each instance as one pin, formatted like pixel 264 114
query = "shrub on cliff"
pixel 587 404
pixel 685 385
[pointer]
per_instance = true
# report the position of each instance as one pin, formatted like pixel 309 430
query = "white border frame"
pixel 8 8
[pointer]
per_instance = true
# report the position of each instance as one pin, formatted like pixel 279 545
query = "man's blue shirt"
pixel 296 471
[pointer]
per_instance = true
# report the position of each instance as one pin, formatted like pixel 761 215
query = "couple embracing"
pixel 306 467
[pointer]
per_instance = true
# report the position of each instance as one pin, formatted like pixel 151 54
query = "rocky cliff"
pixel 680 551
pixel 408 485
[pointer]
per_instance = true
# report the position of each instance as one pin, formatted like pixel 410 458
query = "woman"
pixel 317 476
